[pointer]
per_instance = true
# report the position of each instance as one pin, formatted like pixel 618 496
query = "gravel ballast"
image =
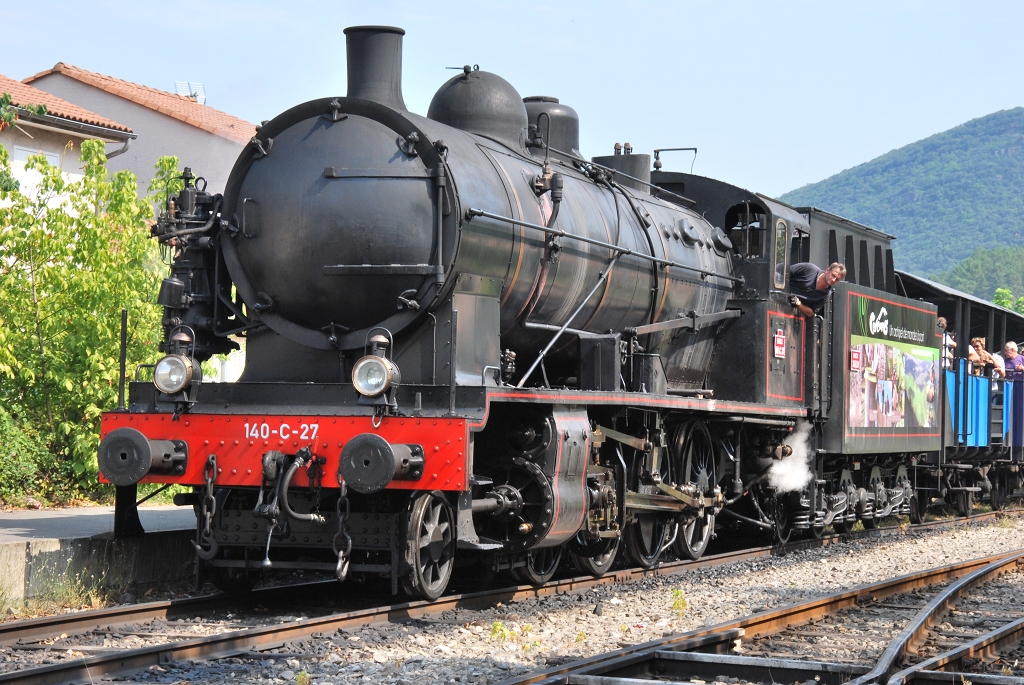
pixel 487 646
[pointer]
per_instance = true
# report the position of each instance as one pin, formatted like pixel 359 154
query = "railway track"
pixel 882 625
pixel 170 641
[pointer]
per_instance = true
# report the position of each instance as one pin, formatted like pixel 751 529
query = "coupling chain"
pixel 342 542
pixel 208 511
pixel 209 501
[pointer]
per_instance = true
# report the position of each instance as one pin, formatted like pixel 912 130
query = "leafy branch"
pixel 74 253
pixel 8 115
pixel 9 112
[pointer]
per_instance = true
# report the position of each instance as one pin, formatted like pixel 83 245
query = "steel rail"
pixel 915 633
pixel 12 632
pixel 756 625
pixel 982 646
pixel 240 642
pixel 957 678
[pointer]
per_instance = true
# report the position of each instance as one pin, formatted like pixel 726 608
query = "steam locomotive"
pixel 466 341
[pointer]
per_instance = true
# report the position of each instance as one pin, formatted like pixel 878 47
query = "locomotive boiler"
pixel 466 342
pixel 359 215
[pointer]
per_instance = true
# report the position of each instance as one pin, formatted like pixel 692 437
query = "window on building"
pixel 21 154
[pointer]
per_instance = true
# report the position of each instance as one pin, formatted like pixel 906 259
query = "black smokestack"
pixel 375 64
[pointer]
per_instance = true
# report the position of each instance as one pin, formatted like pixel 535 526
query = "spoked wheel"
pixel 596 559
pixel 431 540
pixel 783 525
pixel 693 538
pixel 646 535
pixel 998 494
pixel 645 538
pixel 916 509
pixel 964 502
pixel 541 565
pixel 694 464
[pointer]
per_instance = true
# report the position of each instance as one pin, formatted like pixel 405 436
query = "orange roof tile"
pixel 179 107
pixel 23 94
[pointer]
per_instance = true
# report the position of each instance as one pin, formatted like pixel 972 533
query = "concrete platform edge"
pixel 60 570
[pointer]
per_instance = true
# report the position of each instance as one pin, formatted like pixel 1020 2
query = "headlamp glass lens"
pixel 171 375
pixel 371 376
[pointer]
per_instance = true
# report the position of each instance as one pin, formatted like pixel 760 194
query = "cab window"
pixel 746 229
pixel 781 253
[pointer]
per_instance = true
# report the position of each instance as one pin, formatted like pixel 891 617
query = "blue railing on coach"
pixel 1013 415
pixel 984 411
pixel 968 398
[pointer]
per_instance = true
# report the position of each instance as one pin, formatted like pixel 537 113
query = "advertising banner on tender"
pixel 891 386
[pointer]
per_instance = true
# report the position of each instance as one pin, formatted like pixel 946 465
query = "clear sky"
pixel 774 94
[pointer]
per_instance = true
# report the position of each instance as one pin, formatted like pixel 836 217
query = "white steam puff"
pixel 794 472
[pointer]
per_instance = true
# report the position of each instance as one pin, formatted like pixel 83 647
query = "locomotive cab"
pixel 765 234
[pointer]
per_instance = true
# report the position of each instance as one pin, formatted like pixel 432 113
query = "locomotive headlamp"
pixel 173 374
pixel 373 375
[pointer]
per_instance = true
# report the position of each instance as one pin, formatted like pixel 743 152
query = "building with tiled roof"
pixel 203 138
pixel 59 133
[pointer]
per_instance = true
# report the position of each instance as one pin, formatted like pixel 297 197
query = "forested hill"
pixel 943 197
pixel 987 270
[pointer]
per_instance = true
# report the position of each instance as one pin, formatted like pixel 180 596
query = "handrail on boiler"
pixel 472 213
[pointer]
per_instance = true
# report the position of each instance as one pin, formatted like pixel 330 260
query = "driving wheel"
pixel 694 537
pixel 430 549
pixel 781 508
pixel 645 536
pixel 881 503
pixel 694 460
pixel 595 559
pixel 541 565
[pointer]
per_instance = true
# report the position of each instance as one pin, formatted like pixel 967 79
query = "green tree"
pixel 987 270
pixel 166 182
pixel 8 115
pixel 22 459
pixel 72 255
pixel 1003 298
pixel 943 196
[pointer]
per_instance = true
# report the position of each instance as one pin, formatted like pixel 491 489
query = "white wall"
pixel 209 155
pixel 63 150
